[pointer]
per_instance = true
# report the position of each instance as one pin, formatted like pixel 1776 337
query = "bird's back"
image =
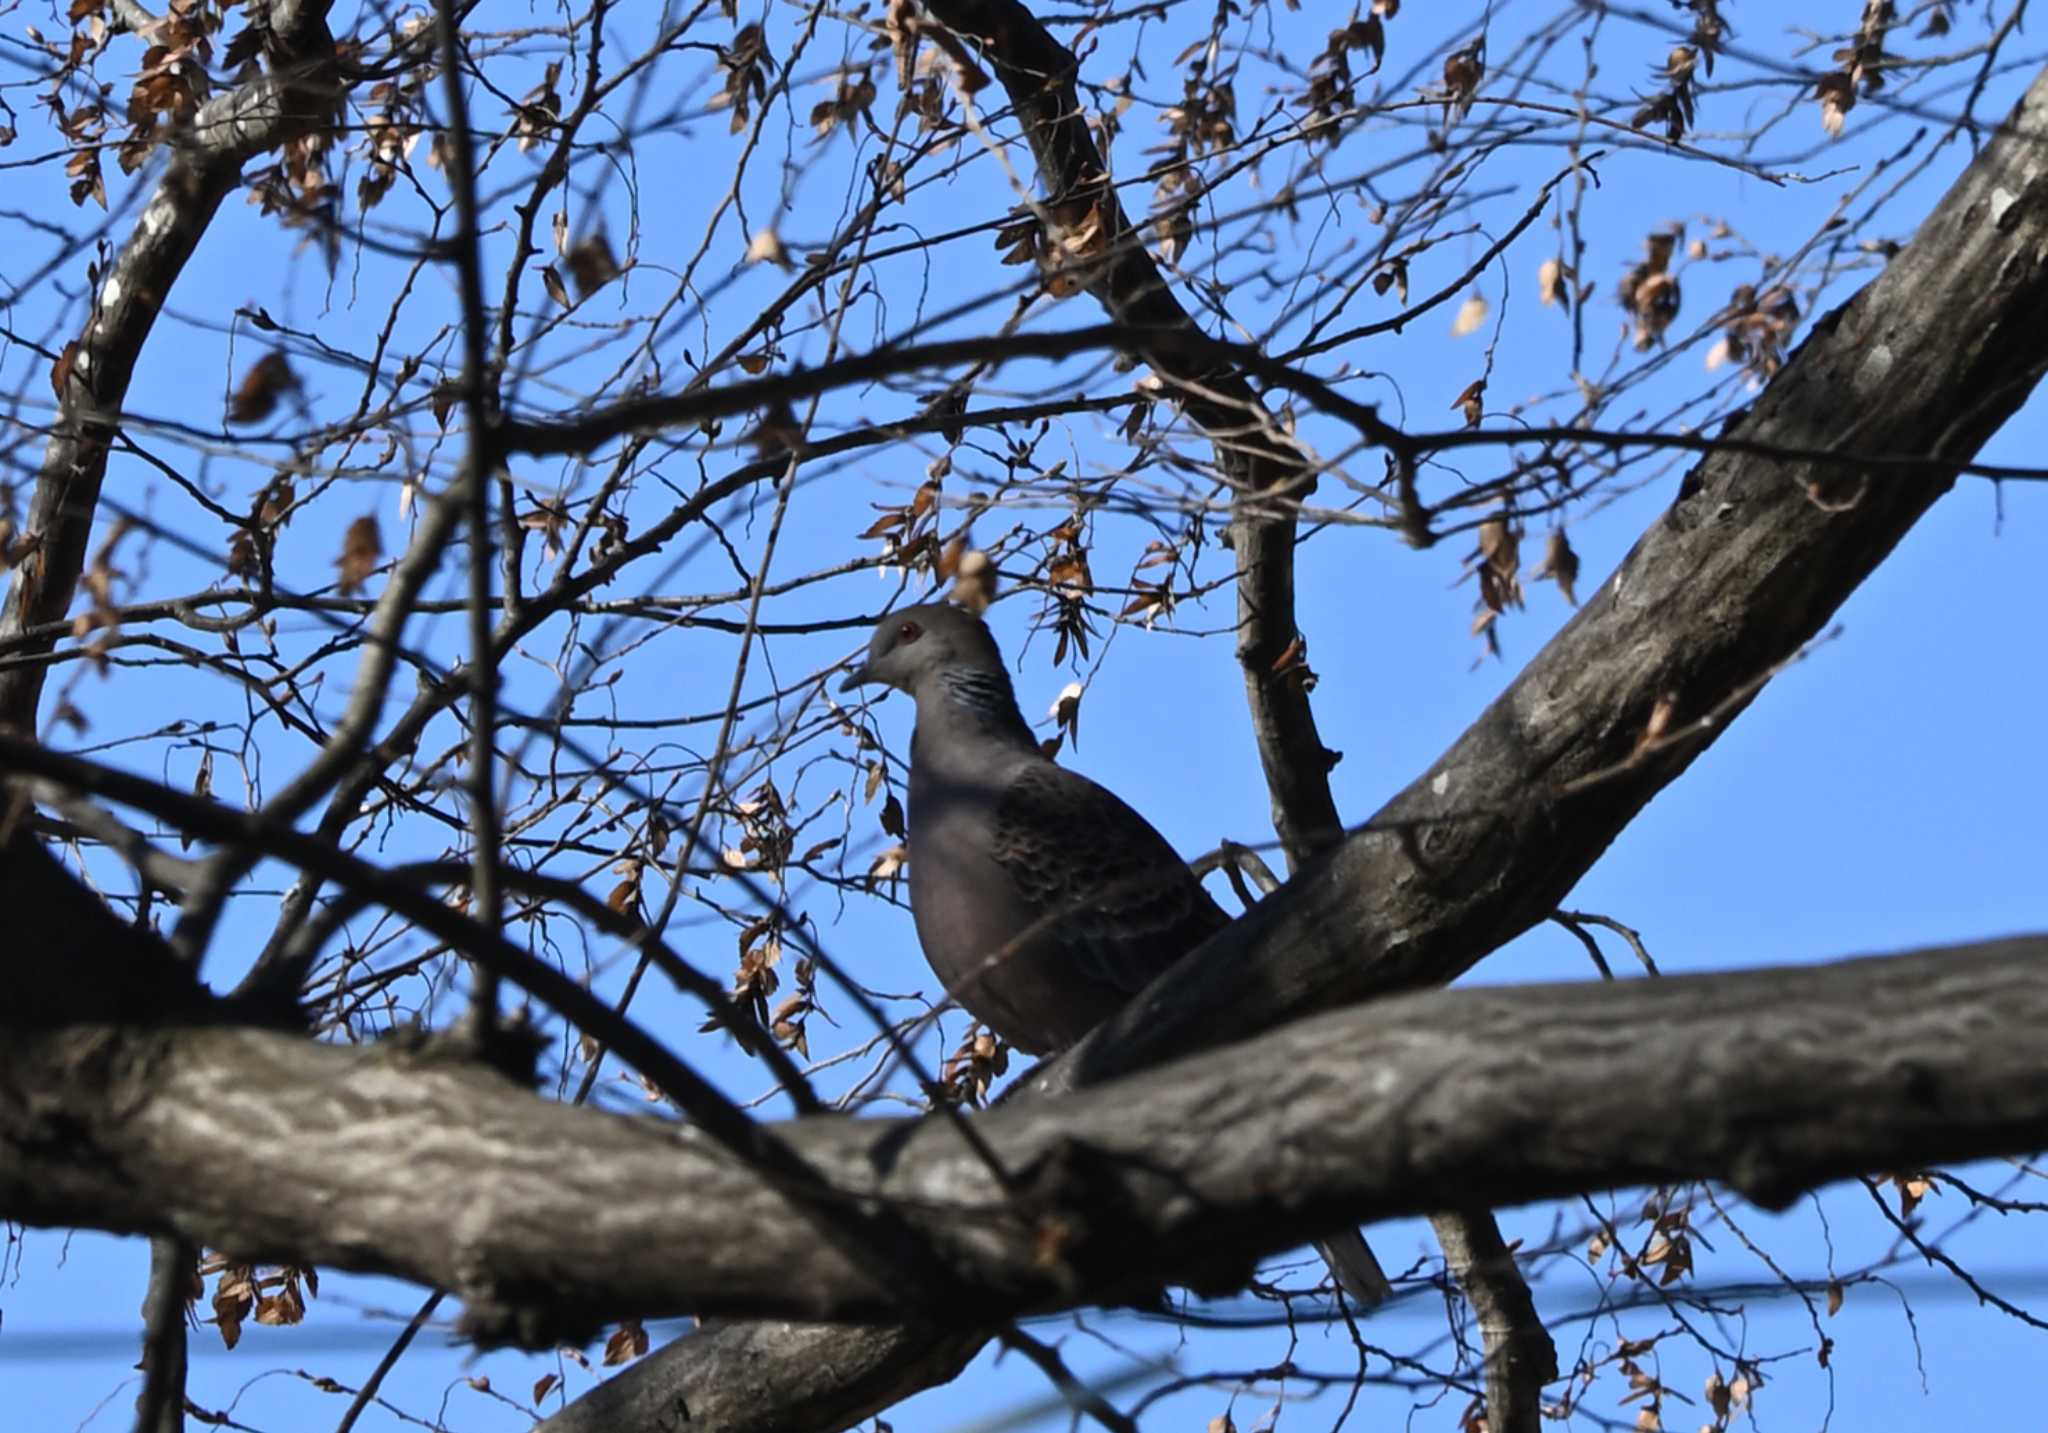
pixel 1042 900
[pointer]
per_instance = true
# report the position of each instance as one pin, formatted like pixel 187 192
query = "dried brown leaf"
pixel 1472 402
pixel 591 263
pixel 766 248
pixel 628 1342
pixel 255 397
pixel 1560 565
pixel 361 548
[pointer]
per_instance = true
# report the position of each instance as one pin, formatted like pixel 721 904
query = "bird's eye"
pixel 909 632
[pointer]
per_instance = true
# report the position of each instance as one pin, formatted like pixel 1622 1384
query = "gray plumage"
pixel 1042 901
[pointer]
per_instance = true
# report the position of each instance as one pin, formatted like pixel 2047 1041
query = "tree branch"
pixel 161 1408
pixel 397 1161
pixel 1520 1356
pixel 296 94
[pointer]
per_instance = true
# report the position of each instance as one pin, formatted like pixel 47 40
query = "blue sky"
pixel 1886 792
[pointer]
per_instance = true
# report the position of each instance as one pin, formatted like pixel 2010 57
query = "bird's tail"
pixel 1357 1272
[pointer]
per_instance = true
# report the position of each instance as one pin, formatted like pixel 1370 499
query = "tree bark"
pixel 398 1160
pixel 774 1377
pixel 1520 1356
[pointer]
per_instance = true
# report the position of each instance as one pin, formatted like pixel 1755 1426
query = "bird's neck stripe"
pixel 985 694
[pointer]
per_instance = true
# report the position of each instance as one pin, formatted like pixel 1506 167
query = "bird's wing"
pixel 1113 893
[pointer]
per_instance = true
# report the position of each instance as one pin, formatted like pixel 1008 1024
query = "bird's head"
pixel 916 644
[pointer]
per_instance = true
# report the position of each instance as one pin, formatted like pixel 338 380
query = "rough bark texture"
pixel 1929 359
pixel 773 1377
pixel 1520 1356
pixel 397 1160
pixel 205 165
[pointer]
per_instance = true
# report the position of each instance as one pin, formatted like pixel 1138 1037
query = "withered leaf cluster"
pixel 394 118
pixel 852 97
pixel 1673 105
pixel 1068 238
pixel 255 539
pixel 1472 402
pixel 975 1064
pixel 539 110
pixel 1464 70
pixel 747 67
pixel 1758 328
pixel 1560 564
pixel 905 32
pixel 1649 292
pixel 754 979
pixel 1558 283
pixel 755 982
pixel 266 381
pixel 971 571
pixel 767 838
pixel 627 1342
pixel 908 530
pixel 1862 64
pixel 271 1294
pixel 362 548
pixel 592 264
pixel 1497 562
pixel 1153 598
pixel 1331 83
pixel 1068 584
pixel 1292 667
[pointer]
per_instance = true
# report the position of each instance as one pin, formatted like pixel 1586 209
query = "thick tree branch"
pixel 1750 561
pixel 296 93
pixel 399 1161
pixel 1520 1355
pixel 764 1375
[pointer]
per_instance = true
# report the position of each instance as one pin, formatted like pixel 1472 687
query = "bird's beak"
pixel 859 676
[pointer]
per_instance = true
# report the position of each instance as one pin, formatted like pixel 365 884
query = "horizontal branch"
pixel 399 1161
pixel 590 429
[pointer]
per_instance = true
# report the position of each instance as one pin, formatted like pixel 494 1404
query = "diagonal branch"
pixel 1750 562
pixel 296 95
pixel 1266 470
